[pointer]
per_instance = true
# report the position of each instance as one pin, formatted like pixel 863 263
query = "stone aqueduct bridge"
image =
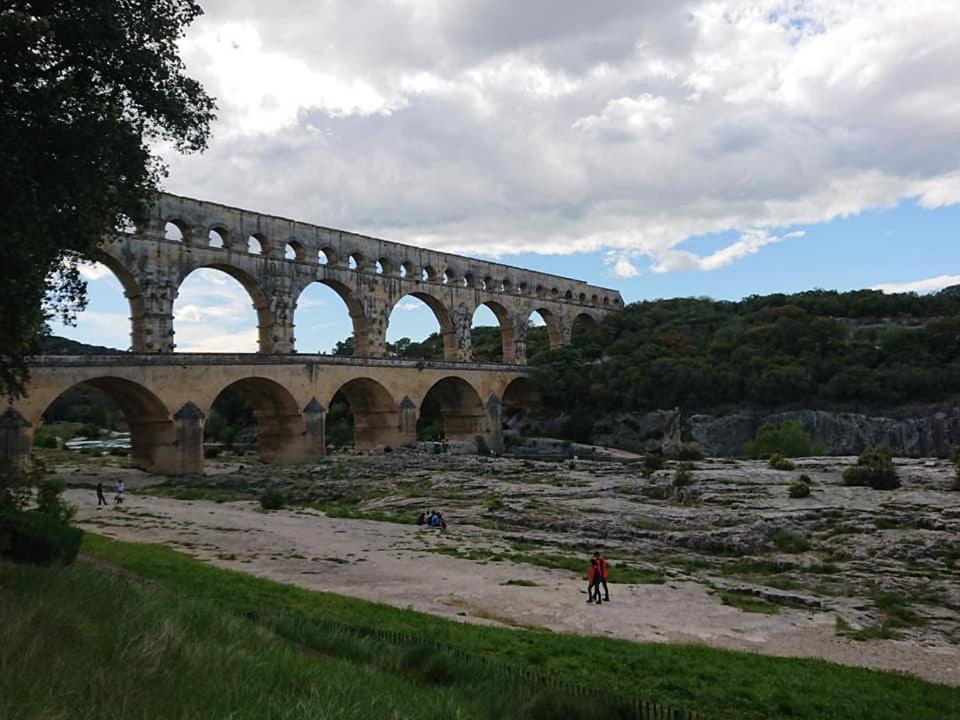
pixel 165 395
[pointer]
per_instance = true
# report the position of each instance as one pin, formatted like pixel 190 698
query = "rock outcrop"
pixel 928 431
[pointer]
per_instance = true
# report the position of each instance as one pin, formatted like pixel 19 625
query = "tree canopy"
pixel 817 349
pixel 85 89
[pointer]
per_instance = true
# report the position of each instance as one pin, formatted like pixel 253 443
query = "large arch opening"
pixel 585 333
pixel 212 312
pixel 520 398
pixel 452 410
pixel 492 336
pixel 323 327
pixel 260 414
pixel 541 317
pixel 362 413
pixel 106 321
pixel 109 414
pixel 413 334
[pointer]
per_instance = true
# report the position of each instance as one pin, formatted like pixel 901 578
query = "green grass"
pixel 198 492
pixel 748 604
pixel 720 684
pixel 344 510
pixel 84 644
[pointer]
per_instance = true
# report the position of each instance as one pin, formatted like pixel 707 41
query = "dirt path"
pixel 393 564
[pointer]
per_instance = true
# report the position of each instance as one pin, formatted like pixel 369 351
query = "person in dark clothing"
pixel 422 518
pixel 602 567
pixel 101 500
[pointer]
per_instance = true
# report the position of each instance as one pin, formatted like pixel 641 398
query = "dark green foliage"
pixel 683 476
pixel 652 462
pixel 50 500
pixel 789 542
pixel 212 451
pixel 688 452
pixel 786 440
pixel 482 447
pixel 339 427
pixel 874 469
pixel 778 462
pixel 272 499
pixel 767 352
pixel 956 463
pixel 88 88
pixel 39 538
pixel 88 405
pixel 799 489
pixel 43 438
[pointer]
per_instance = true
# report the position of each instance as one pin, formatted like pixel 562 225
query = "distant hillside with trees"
pixel 817 349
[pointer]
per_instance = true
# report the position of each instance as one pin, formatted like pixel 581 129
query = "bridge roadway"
pixel 165 398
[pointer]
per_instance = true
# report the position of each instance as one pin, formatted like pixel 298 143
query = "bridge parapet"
pixel 276 259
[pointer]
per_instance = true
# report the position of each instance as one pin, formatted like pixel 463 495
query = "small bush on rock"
pixel 874 469
pixel 778 462
pixel 651 463
pixel 689 452
pixel 798 489
pixel 788 440
pixel 272 499
pixel 212 451
pixel 683 475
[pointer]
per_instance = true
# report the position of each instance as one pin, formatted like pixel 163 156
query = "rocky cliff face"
pixel 926 431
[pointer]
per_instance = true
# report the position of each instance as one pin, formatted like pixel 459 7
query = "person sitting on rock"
pixel 422 518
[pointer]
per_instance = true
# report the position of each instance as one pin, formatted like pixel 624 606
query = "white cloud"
pixel 91 272
pixel 621 266
pixel 410 306
pixel 927 285
pixel 749 243
pixel 554 126
pixel 199 340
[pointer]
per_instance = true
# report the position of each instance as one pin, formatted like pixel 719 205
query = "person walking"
pixel 593 582
pixel 602 566
pixel 118 498
pixel 101 500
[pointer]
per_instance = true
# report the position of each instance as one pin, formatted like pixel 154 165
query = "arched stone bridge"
pixel 165 396
pixel 276 259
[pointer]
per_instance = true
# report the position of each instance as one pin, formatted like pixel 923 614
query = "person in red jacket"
pixel 593 582
pixel 602 568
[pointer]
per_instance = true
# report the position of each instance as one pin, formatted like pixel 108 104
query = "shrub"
pixel 683 475
pixel 805 479
pixel 272 499
pixel 874 469
pixel 778 462
pixel 50 500
pixel 688 452
pixel 39 538
pixel 956 464
pixel 43 438
pixel 212 451
pixel 789 542
pixel 482 447
pixel 651 463
pixel 788 440
pixel 798 489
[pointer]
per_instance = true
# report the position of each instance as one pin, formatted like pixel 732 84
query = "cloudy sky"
pixel 662 147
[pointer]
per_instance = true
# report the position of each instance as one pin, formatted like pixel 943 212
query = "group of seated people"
pixel 433 519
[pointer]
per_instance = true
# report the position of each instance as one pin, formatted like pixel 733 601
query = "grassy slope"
pixel 718 683
pixel 81 643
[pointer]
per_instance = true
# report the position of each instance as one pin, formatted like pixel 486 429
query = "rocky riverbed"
pixel 715 552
